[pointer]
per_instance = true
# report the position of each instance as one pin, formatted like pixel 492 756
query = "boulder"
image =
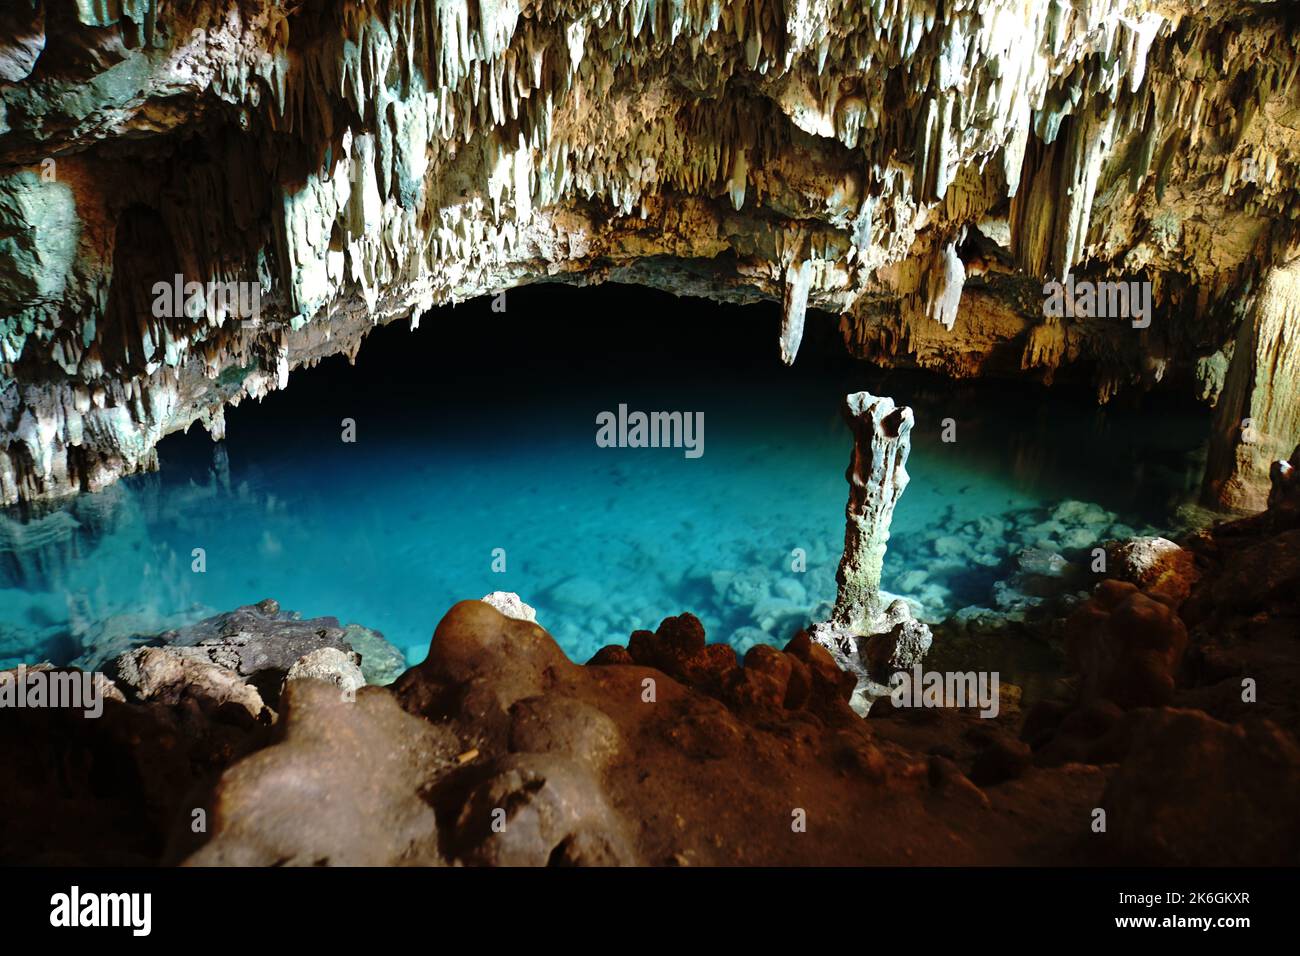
pixel 343 785
pixel 174 676
pixel 1156 565
pixel 1125 646
pixel 331 665
pixel 260 642
pixel 898 650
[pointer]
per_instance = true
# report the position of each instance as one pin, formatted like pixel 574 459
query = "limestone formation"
pixel 867 638
pixel 877 477
pixel 1157 565
pixel 1284 492
pixel 289 804
pixel 262 643
pixel 511 605
pixel 331 666
pixel 197 198
pixel 1258 415
pixel 668 752
pixel 171 676
pixel 1126 646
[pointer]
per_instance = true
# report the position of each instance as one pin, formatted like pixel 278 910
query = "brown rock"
pixel 1260 572
pixel 946 777
pixel 562 725
pixel 611 654
pixel 1194 792
pixel 1125 646
pixel 1156 565
pixel 1005 758
pixel 541 810
pixel 343 786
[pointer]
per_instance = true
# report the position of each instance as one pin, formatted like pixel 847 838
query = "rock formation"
pixel 866 637
pixel 1126 646
pixel 1189 684
pixel 1257 420
pixel 877 477
pixel 498 750
pixel 262 644
pixel 197 198
pixel 1284 495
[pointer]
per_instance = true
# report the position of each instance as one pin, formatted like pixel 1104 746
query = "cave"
pixel 650 434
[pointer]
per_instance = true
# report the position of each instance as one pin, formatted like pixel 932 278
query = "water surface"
pixel 475 444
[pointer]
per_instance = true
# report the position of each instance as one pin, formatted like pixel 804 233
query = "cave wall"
pixel 918 170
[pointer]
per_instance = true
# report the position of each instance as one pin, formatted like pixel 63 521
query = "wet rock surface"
pixel 261 644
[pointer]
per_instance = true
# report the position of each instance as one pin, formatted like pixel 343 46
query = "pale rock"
pixel 511 605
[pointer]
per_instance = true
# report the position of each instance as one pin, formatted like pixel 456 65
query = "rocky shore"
pixel 1174 741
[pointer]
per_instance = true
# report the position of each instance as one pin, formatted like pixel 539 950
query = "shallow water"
pixel 492 446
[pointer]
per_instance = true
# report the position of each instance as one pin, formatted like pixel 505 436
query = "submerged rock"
pixel 381 662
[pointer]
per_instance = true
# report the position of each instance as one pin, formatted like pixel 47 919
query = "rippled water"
pixel 484 439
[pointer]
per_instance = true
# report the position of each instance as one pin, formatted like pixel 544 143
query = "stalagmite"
pixel 877 477
pixel 866 636
pixel 1258 416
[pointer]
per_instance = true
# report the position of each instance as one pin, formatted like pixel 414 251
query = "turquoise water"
pixel 492 446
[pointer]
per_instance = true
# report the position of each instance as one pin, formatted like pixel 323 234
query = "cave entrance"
pixel 463 457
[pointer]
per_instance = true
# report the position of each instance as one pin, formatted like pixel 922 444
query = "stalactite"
pixel 360 163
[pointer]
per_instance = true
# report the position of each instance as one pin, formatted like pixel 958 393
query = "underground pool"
pixel 467 457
